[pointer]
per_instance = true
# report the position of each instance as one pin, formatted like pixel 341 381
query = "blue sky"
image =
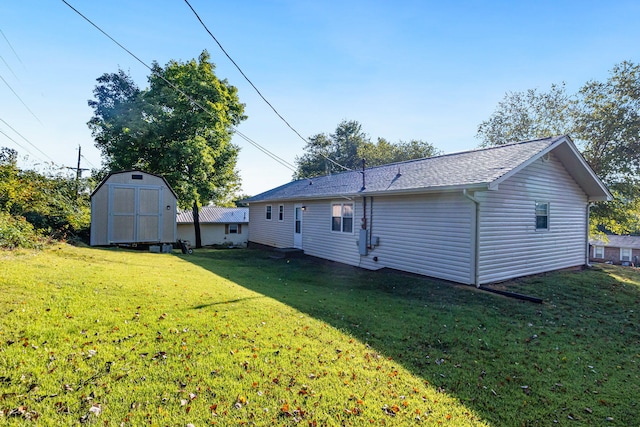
pixel 429 70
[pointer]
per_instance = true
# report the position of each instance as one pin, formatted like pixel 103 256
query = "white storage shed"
pixel 133 207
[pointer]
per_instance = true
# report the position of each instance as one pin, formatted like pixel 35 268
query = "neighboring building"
pixel 218 226
pixel 133 207
pixel 623 250
pixel 474 217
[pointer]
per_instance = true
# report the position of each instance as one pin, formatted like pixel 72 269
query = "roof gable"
pixel 133 171
pixel 477 169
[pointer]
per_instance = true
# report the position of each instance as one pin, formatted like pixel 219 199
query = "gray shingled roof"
pixel 215 215
pixel 469 169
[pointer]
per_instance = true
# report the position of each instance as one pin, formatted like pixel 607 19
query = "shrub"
pixel 16 232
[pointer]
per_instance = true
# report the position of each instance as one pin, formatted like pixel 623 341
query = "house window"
pixel 281 213
pixel 342 217
pixel 268 213
pixel 232 229
pixel 542 215
pixel 598 251
pixel 625 254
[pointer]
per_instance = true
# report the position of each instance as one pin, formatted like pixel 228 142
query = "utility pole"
pixel 78 171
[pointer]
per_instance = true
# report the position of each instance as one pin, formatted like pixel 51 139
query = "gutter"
pixel 476 249
pixel 350 195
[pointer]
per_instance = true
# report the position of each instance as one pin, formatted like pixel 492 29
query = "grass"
pixel 233 337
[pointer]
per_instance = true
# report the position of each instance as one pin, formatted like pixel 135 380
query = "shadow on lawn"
pixel 500 356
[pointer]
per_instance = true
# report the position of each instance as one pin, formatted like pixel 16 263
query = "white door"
pixel 297 224
pixel 135 214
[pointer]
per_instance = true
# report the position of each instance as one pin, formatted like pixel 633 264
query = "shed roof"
pixel 481 169
pixel 106 178
pixel 616 241
pixel 215 215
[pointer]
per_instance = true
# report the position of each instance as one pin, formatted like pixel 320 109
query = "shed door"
pixel 149 215
pixel 135 214
pixel 122 221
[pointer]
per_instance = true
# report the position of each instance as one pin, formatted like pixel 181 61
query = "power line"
pixel 12 49
pixel 242 72
pixel 254 86
pixel 29 142
pixel 9 67
pixel 18 96
pixel 197 104
pixel 20 145
pixel 90 164
pixel 267 152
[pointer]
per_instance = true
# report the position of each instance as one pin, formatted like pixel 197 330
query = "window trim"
pixel 630 254
pixel 227 228
pixel 547 215
pixel 280 213
pixel 342 217
pixel 268 212
pixel 598 250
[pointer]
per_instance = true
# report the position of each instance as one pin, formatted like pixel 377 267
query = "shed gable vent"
pixel 136 176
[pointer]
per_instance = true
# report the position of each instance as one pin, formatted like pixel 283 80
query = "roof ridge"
pixel 474 150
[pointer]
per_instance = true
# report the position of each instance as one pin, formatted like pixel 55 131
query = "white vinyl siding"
pixel 215 233
pixel 432 235
pixel 434 239
pixel 509 244
pixel 318 239
pixel 278 234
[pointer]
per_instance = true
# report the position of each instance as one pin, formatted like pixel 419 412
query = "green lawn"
pixel 234 337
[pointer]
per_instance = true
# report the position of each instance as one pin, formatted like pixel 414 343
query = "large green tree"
pixel 179 127
pixel 603 118
pixel 348 145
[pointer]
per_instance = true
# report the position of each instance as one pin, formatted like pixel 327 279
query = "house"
pixel 473 217
pixel 218 226
pixel 133 207
pixel 624 250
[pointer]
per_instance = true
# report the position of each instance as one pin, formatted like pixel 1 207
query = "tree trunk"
pixel 196 225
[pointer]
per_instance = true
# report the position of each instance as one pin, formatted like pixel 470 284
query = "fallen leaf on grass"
pixel 391 410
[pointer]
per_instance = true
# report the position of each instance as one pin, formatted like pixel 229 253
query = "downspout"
pixel 588 218
pixel 476 249
pixel 370 220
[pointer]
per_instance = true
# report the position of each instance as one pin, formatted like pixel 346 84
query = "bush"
pixel 16 232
